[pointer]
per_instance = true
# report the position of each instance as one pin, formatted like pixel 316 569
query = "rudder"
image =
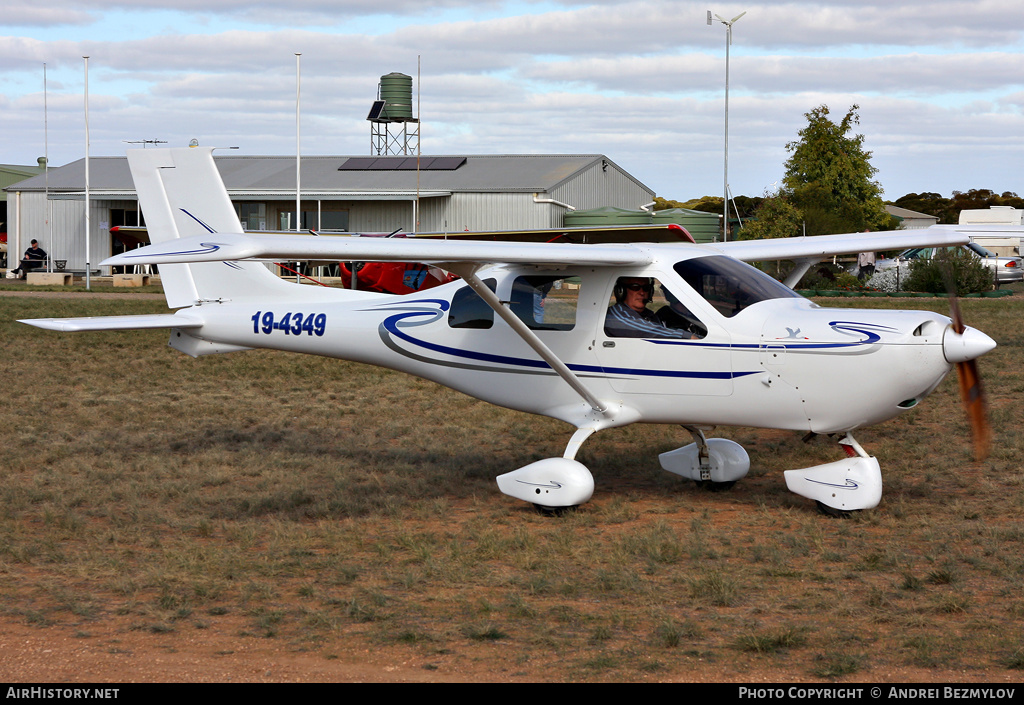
pixel 181 194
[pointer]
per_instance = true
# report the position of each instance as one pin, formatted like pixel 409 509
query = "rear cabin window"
pixel 729 284
pixel 546 302
pixel 469 310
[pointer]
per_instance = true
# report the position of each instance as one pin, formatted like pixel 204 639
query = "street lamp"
pixel 728 42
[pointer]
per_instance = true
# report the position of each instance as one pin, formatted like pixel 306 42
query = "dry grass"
pixel 336 509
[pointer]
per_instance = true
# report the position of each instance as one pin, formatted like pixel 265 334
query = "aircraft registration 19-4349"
pixel 596 335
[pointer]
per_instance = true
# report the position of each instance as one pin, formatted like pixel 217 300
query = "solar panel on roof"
pixel 401 163
pixel 357 163
pixel 447 163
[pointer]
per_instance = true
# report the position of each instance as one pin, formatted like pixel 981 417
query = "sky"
pixel 939 84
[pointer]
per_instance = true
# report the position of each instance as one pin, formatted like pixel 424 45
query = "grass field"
pixel 341 513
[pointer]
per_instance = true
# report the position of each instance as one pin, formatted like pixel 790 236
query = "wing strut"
pixel 468 272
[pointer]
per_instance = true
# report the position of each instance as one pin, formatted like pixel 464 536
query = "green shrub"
pixel 964 272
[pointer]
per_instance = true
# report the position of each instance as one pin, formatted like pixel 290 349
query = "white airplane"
pixel 565 330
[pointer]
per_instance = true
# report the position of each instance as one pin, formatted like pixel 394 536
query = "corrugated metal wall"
pixel 596 187
pixel 68 227
pixel 456 213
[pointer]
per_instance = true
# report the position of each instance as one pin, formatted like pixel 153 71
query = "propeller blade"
pixel 971 393
pixel 973 397
pixel 954 311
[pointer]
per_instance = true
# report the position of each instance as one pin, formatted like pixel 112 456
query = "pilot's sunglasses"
pixel 639 287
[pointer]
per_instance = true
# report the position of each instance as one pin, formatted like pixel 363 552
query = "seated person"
pixel 629 317
pixel 34 257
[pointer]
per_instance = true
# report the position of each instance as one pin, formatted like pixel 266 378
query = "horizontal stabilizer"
pixel 157 320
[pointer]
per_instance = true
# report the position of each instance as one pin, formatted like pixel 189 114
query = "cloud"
pixel 938 82
pixel 904 74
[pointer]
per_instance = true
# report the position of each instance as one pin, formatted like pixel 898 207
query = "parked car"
pixel 1005 269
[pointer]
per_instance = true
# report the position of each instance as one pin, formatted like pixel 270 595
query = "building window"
pixel 252 215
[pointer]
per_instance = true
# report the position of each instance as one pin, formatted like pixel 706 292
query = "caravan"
pixel 1007 244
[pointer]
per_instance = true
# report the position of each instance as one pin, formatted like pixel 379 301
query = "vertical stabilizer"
pixel 182 194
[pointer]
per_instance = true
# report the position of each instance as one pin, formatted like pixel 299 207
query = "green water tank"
pixel 703 226
pixel 396 91
pixel 608 215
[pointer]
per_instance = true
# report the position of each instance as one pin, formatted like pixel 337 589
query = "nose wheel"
pixel 843 486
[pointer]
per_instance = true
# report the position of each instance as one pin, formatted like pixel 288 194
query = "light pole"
pixel 728 42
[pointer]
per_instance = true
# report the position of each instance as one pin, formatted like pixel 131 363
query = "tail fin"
pixel 181 194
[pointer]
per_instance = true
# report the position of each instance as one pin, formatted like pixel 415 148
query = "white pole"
pixel 419 149
pixel 88 265
pixel 46 175
pixel 725 188
pixel 298 143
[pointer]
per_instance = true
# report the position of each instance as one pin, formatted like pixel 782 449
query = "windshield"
pixel 730 285
pixel 978 249
pixel 915 252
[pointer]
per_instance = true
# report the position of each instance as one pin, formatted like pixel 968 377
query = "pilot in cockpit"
pixel 629 317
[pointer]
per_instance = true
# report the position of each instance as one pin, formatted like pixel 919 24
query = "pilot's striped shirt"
pixel 624 322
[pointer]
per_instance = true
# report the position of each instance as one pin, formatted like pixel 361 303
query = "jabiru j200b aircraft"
pixel 567 331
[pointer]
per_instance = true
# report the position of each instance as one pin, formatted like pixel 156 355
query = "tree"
pixel 776 217
pixel 930 204
pixel 829 176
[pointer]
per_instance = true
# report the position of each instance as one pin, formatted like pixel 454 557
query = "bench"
pixel 38 278
pixel 131 280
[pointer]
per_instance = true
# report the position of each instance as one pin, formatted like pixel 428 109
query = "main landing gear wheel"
pixel 712 486
pixel 554 511
pixel 714 464
pixel 835 513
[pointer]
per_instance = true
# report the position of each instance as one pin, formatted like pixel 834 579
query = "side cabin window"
pixel 729 284
pixel 642 307
pixel 469 310
pixel 545 302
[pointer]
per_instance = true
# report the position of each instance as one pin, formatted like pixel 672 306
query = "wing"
pixel 591 234
pixel 218 247
pixel 822 246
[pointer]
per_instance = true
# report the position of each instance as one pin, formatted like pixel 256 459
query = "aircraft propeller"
pixel 963 350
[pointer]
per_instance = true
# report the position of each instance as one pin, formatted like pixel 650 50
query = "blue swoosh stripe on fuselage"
pixel 391 325
pixel 759 346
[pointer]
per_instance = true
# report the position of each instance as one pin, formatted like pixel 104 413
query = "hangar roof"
pixel 354 175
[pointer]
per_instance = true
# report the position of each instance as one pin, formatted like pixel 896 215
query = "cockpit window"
pixel 729 284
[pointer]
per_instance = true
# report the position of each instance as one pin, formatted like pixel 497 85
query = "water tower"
pixel 393 129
